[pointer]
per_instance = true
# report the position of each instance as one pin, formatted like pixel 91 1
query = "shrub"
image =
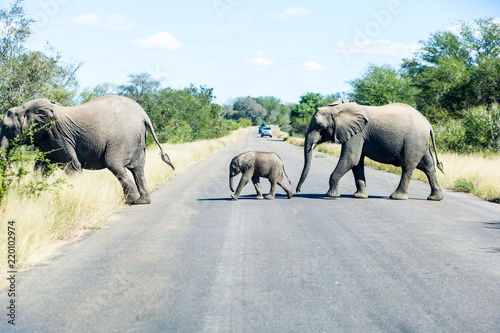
pixel 244 122
pixel 479 130
pixel 15 169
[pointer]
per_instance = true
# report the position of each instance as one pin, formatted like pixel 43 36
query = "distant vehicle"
pixel 266 131
pixel 261 126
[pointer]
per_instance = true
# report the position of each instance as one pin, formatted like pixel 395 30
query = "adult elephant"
pixel 394 134
pixel 106 132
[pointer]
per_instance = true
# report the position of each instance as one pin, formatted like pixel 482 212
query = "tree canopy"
pixel 26 75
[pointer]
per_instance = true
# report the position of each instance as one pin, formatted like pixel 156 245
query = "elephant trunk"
pixel 311 138
pixel 4 142
pixel 231 183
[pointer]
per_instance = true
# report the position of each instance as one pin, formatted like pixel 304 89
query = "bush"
pixel 230 125
pixel 482 128
pixel 244 122
pixel 479 130
pixel 16 167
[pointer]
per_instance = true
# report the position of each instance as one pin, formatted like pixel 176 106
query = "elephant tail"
pixel 289 182
pixel 439 164
pixel 163 155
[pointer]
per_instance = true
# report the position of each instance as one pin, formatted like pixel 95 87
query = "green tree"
pixel 99 90
pixel 382 85
pixel 300 114
pixel 457 70
pixel 276 112
pixel 26 75
pixel 186 114
pixel 247 107
pixel 139 86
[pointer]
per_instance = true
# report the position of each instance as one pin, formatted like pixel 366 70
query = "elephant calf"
pixel 253 165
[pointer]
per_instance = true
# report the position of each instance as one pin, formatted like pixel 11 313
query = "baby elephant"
pixel 254 164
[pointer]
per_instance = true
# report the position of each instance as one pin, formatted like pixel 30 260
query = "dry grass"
pixel 473 173
pixel 91 199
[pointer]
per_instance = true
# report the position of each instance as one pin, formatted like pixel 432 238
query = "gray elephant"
pixel 106 132
pixel 253 165
pixel 394 134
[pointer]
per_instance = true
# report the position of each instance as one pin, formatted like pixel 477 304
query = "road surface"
pixel 196 261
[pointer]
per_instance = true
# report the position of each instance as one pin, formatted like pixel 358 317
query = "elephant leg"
pixel 142 186
pixel 401 192
pixel 136 166
pixel 341 169
pixel 245 178
pixel 272 192
pixel 129 188
pixel 359 177
pixel 427 166
pixel 256 184
pixel 288 190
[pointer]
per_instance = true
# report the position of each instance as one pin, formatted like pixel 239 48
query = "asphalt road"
pixel 196 261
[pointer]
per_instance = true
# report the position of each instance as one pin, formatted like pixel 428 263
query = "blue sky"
pixel 242 47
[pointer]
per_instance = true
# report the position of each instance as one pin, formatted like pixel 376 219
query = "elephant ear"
pixel 39 111
pixel 247 161
pixel 348 123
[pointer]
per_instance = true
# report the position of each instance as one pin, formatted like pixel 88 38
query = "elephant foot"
pixel 146 200
pixel 290 194
pixel 399 196
pixel 436 197
pixel 259 197
pixel 333 194
pixel 270 197
pixel 234 197
pixel 360 195
pixel 131 199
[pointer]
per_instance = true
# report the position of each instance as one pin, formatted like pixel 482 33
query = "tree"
pixel 15 30
pixel 276 112
pixel 139 86
pixel 247 107
pixel 300 114
pixel 382 85
pixel 457 70
pixel 99 90
pixel 26 75
pixel 186 114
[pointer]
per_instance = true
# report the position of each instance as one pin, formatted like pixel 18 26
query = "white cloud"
pixel 260 53
pixel 311 66
pixel 160 40
pixel 377 47
pixel 260 62
pixel 289 13
pixel 110 22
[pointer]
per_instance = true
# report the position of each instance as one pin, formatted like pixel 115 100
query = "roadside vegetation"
pixel 453 80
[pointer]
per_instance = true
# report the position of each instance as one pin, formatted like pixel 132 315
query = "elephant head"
pixel 337 122
pixel 240 163
pixel 19 119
